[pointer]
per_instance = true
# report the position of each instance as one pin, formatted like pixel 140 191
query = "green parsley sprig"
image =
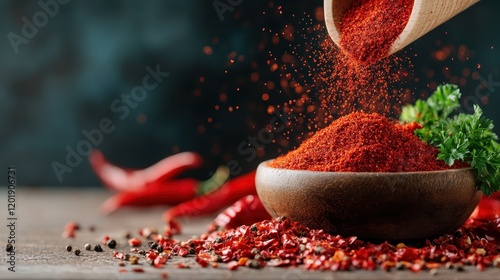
pixel 465 137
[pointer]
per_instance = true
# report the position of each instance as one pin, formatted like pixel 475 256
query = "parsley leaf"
pixel 465 137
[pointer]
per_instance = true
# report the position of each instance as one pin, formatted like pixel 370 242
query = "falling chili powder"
pixel 359 76
pixel 370 27
pixel 361 142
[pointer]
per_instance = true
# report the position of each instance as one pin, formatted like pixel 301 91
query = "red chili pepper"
pixel 165 193
pixel 227 194
pixel 171 193
pixel 488 209
pixel 117 178
pixel 246 211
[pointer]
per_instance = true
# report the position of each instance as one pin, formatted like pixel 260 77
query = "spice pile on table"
pixel 283 243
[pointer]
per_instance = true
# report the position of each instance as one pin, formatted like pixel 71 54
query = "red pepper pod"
pixel 117 178
pixel 246 211
pixel 488 209
pixel 227 194
pixel 169 193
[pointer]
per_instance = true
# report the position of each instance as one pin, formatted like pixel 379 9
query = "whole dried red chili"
pixel 172 192
pixel 488 209
pixel 227 194
pixel 177 191
pixel 117 178
pixel 246 211
pixel 153 185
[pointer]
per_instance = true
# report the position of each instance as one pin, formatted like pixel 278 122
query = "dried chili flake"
pixel 105 239
pixel 183 265
pixel 134 242
pixel 138 270
pixel 119 255
pixel 233 265
pixel 159 261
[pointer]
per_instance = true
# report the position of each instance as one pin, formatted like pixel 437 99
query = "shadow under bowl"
pixel 387 206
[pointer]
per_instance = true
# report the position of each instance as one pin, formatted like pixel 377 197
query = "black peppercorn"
pixel 112 243
pixel 218 240
pixel 88 247
pixel 77 252
pixel 253 227
pixel 253 264
pixel 153 245
pixel 98 248
pixel 69 248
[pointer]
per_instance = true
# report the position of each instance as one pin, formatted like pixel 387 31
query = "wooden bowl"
pixel 388 206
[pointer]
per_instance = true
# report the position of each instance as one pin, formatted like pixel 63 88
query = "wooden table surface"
pixel 40 252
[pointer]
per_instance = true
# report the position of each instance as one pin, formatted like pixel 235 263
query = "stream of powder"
pixel 370 27
pixel 358 76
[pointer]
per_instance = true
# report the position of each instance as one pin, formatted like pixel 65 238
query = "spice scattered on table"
pixel 134 260
pixel 112 243
pixel 98 248
pixel 9 247
pixel 70 229
pixel 361 142
pixel 283 243
pixel 69 248
pixel 105 239
pixel 88 247
pixel 77 252
pixel 134 242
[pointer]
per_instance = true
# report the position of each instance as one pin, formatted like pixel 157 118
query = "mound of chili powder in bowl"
pixel 361 142
pixel 367 176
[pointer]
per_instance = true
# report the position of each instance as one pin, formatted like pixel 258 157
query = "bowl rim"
pixel 265 164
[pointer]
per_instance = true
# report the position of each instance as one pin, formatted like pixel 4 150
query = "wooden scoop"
pixel 425 16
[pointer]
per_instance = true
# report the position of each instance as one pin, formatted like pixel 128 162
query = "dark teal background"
pixel 66 77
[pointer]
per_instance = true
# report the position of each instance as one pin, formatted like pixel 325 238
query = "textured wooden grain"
pixel 426 15
pixel 393 206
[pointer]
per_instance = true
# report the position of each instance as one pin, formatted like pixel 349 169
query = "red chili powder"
pixel 359 77
pixel 361 142
pixel 345 86
pixel 369 27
